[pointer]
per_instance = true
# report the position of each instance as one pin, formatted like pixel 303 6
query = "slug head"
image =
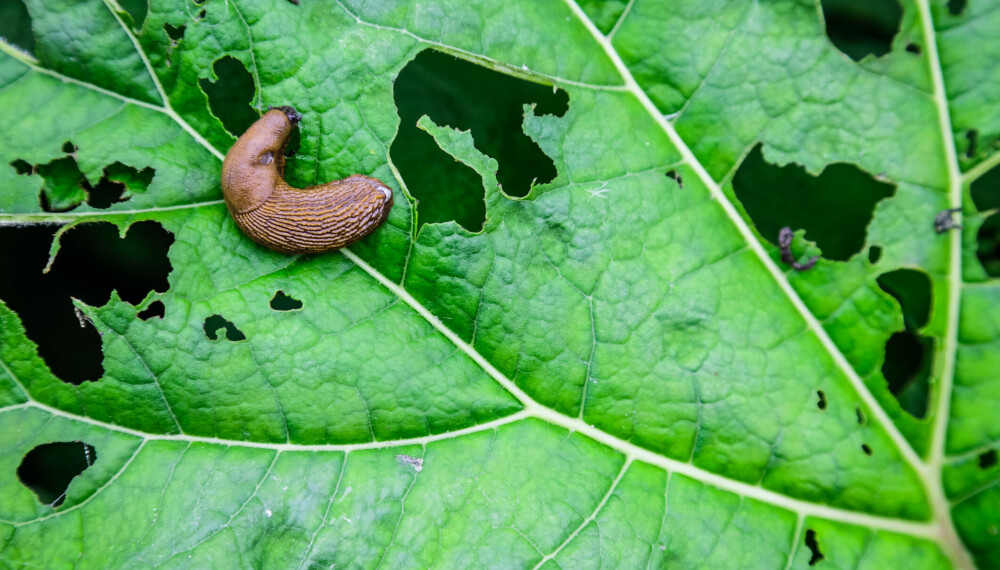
pixel 254 166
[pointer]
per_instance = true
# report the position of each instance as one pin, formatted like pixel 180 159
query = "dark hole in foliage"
pixel 68 147
pixel 814 547
pixel 672 174
pixel 49 468
pixel 874 254
pixel 971 135
pixel 91 262
pixel 216 322
pixel 988 459
pixel 21 167
pixel 956 7
pixel 155 309
pixel 175 33
pixel 988 245
pixel 833 208
pixel 65 187
pixel 907 368
pixel 137 10
pixel 912 288
pixel 465 96
pixel 985 190
pixel 231 94
pixel 15 25
pixel 861 416
pixel 201 15
pixel 913 48
pixel 821 404
pixel 283 302
pixel 867 449
pixel 862 27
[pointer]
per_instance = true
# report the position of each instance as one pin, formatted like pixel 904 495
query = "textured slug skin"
pixel 293 220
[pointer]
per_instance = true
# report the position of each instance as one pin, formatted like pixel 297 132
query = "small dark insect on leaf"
pixel 785 237
pixel 944 222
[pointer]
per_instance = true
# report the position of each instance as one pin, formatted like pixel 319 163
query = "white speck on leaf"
pixel 415 462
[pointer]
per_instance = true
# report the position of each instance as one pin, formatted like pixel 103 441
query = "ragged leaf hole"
pixel 231 94
pixel 860 28
pixel 155 309
pixel 175 33
pixel 861 416
pixel 914 48
pixel 907 369
pixel 957 7
pixel 874 254
pixel 988 245
pixel 216 322
pixel 91 262
pixel 834 208
pixel 467 96
pixel 821 403
pixel 985 190
pixel 867 449
pixel 16 25
pixel 988 459
pixel 49 468
pixel 284 302
pixel 813 545
pixel 673 175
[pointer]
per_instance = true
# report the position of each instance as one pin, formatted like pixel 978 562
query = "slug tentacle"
pixel 292 220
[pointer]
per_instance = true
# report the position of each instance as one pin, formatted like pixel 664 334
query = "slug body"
pixel 294 220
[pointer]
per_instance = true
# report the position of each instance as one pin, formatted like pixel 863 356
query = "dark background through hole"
pixel 862 27
pixel 91 262
pixel 49 468
pixel 463 95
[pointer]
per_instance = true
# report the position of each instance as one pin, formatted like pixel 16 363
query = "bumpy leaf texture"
pixel 618 369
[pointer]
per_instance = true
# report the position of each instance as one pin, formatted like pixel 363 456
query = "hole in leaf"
pixel 175 33
pixel 912 289
pixel 988 459
pixel 913 48
pixel 821 404
pixel 69 148
pixel 971 135
pixel 230 95
pixel 874 254
pixel 814 547
pixel 155 309
pixel 986 190
pixel 15 25
pixel 137 10
pixel 862 27
pixel 861 416
pixel 867 449
pixel 49 468
pixel 92 261
pixel 65 187
pixel 988 245
pixel 216 322
pixel 956 7
pixel 467 96
pixel 907 369
pixel 672 174
pixel 282 302
pixel 833 208
pixel 21 167
pixel 201 15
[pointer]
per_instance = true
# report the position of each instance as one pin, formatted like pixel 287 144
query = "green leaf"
pixel 617 368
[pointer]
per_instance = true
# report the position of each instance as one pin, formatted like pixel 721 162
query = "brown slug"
pixel 293 220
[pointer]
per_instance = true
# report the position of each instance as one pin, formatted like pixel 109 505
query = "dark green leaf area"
pixel 467 96
pixel 986 190
pixel 834 208
pixel 15 25
pixel 95 48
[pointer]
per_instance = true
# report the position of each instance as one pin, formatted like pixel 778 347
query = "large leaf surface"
pixel 616 371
